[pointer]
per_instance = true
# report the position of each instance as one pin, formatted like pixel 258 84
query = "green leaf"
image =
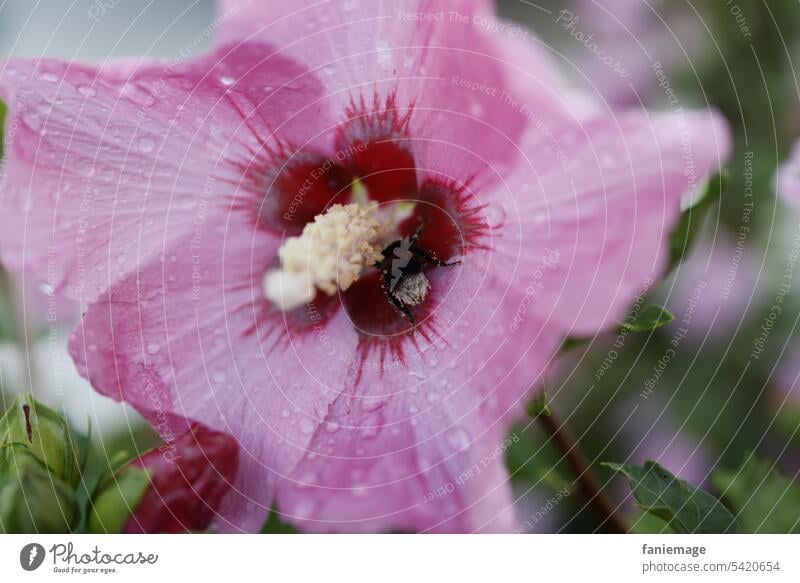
pixel 571 342
pixel 650 318
pixel 273 525
pixel 685 508
pixel 765 501
pixel 646 523
pixel 539 405
pixel 685 233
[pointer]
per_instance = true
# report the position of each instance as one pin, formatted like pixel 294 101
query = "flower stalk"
pixel 587 482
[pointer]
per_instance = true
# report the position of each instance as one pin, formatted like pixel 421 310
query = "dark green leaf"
pixel 646 523
pixel 685 508
pixel 648 319
pixel 765 501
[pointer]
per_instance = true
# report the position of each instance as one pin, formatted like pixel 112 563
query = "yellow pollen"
pixel 329 255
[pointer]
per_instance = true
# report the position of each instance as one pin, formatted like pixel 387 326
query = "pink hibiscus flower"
pixel 215 217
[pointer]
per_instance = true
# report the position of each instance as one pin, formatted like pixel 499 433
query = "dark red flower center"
pixel 374 148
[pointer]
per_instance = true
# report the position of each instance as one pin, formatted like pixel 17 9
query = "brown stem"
pixel 588 484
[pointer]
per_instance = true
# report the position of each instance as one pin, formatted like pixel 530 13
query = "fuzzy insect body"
pixel 403 276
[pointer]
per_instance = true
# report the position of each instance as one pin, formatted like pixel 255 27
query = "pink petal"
pixel 450 70
pixel 587 218
pixel 107 167
pixel 399 448
pixel 188 339
pixel 211 355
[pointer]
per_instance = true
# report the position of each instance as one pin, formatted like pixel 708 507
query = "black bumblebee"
pixel 402 269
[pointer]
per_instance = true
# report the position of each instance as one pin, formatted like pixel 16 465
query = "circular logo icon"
pixel 31 556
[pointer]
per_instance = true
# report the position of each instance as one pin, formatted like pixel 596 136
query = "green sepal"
pixel 650 318
pixel 34 501
pixel 32 434
pixel 116 500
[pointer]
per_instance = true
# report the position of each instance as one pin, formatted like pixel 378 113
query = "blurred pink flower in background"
pixel 168 190
pixel 784 395
pixel 787 179
pixel 713 289
pixel 616 45
pixel 652 434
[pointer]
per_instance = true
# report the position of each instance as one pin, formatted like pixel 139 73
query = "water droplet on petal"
pixel 138 94
pixel 332 427
pixel 306 425
pixel 495 215
pixel 226 80
pixel 458 438
pixel 153 348
pixel 476 109
pixel 33 121
pixel 46 76
pixel 146 145
pixel 384 55
pixel 87 91
pixel 285 413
